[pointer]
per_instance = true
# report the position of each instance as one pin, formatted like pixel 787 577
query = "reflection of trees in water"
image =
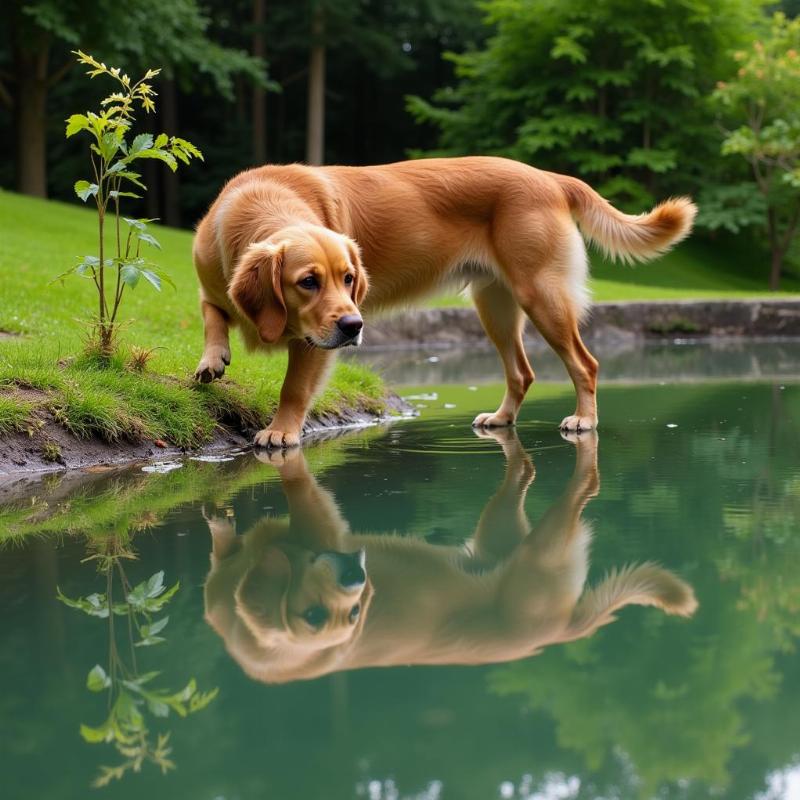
pixel 677 711
pixel 134 699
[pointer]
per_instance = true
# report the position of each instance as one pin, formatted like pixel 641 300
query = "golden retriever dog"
pixel 288 254
pixel 306 597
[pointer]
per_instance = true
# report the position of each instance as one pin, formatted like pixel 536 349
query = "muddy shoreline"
pixel 22 454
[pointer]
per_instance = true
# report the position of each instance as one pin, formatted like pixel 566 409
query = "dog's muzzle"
pixel 348 568
pixel 347 333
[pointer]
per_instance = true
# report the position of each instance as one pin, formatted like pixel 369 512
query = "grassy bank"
pixel 44 378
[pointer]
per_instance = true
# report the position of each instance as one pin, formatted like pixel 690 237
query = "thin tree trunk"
pixel 169 114
pixel 259 93
pixel 31 114
pixel 775 270
pixel 315 133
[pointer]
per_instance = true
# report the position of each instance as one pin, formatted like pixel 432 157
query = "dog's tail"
pixel 639 584
pixel 628 237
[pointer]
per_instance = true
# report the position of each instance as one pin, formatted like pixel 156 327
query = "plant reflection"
pixel 132 614
pixel 295 599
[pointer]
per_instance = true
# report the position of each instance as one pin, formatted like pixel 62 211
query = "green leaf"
pixel 144 141
pixel 152 278
pixel 95 735
pixel 95 605
pixel 130 277
pixel 133 177
pixel 85 190
pixel 97 680
pixel 139 224
pixel 77 122
pixel 149 641
pixel 158 707
pixel 109 145
pixel 155 584
pixel 148 239
pixel 161 140
pixel 157 626
pixel 117 193
pixel 161 155
pixel 200 700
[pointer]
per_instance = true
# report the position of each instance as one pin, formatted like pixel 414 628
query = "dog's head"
pixel 302 609
pixel 304 282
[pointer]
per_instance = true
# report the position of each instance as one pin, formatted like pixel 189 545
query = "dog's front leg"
pixel 308 368
pixel 217 350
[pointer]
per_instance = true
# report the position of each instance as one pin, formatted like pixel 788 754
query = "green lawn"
pixel 695 269
pixel 41 239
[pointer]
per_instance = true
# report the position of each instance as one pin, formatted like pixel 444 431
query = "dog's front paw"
pixel 272 438
pixel 577 423
pixel 492 420
pixel 212 365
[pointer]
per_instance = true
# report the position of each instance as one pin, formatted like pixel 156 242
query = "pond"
pixel 422 611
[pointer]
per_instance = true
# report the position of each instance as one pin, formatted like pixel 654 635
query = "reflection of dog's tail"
pixel 638 584
pixel 628 237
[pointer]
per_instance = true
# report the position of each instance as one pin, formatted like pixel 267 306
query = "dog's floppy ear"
pixel 256 288
pixel 361 283
pixel 261 596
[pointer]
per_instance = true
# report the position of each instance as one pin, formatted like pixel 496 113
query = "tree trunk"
pixel 31 114
pixel 259 93
pixel 315 132
pixel 169 115
pixel 775 270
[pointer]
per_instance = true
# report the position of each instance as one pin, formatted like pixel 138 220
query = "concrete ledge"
pixel 630 321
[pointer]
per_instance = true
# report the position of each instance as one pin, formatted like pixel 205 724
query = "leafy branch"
pixel 113 161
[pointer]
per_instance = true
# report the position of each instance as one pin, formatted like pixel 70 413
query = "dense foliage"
pixel 612 91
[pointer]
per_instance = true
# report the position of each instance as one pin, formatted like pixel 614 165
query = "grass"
pixel 128 400
pixel 696 269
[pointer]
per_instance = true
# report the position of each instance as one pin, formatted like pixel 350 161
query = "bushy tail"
pixel 628 237
pixel 638 584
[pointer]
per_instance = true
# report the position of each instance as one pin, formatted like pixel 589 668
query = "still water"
pixel 420 611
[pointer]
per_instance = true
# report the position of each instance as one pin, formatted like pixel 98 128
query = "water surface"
pixel 500 648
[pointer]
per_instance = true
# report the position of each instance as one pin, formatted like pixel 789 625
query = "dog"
pixel 282 253
pixel 302 598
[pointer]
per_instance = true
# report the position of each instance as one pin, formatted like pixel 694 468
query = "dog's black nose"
pixel 353 576
pixel 350 325
pixel 353 573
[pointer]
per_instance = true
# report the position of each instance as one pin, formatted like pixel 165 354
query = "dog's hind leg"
pixel 502 319
pixel 553 294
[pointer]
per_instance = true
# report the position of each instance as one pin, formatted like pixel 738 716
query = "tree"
pixel 764 99
pixel 607 89
pixel 43 31
pixel 315 132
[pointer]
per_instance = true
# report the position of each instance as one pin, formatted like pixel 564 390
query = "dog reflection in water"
pixel 305 597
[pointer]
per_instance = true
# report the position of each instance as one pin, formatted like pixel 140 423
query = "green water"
pixel 477 552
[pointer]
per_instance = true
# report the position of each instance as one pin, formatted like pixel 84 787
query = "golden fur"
pixel 504 227
pixel 510 591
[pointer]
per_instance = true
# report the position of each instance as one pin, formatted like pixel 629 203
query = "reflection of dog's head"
pixel 304 281
pixel 301 608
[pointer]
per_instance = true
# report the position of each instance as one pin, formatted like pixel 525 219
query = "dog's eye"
pixel 348 279
pixel 354 612
pixel 309 282
pixel 316 616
